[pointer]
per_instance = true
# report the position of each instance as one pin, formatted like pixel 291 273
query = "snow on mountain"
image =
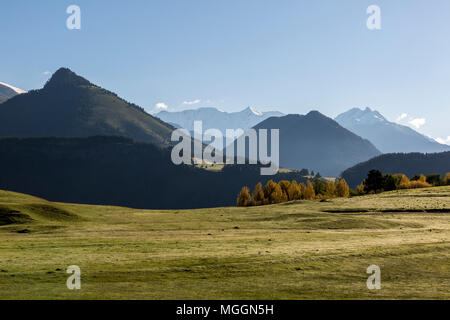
pixel 213 118
pixel 7 91
pixel 16 90
pixel 388 137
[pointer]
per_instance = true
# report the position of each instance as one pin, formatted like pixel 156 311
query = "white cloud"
pixel 161 106
pixel 417 123
pixel 443 140
pixel 46 73
pixel 192 102
pixel 402 116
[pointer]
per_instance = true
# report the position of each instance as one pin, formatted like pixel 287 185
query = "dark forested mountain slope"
pixel 319 143
pixel 71 106
pixel 117 171
pixel 406 163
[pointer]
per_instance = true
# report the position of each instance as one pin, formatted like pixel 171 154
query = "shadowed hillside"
pixel 118 171
pixel 406 163
pixel 71 106
pixel 319 143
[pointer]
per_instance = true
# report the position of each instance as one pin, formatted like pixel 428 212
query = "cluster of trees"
pixel 377 182
pixel 284 191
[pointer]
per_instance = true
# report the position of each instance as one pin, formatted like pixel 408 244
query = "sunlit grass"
pixel 301 250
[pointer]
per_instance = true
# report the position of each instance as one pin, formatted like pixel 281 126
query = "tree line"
pixel 377 182
pixel 284 191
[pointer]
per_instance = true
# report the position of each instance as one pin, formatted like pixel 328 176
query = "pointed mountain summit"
pixel 65 78
pixel 388 137
pixel 319 143
pixel 71 106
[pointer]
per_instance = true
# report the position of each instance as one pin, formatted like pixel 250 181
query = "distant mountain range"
pixel 7 91
pixel 409 164
pixel 71 106
pixel 388 137
pixel 214 118
pixel 318 143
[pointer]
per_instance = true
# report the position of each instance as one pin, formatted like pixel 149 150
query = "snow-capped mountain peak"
pixel 254 111
pixel 7 91
pixel 387 136
pixel 16 90
pixel 213 118
pixel 360 116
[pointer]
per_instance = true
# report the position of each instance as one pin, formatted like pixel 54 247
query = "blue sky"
pixel 291 56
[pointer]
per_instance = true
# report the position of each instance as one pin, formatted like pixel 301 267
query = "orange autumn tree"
pixel 277 195
pixel 284 184
pixel 419 183
pixel 404 182
pixel 268 190
pixel 309 193
pixel 330 189
pixel 342 188
pixel 244 199
pixel 447 179
pixel 294 192
pixel 302 187
pixel 258 195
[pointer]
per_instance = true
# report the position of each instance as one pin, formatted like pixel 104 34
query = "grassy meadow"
pixel 295 250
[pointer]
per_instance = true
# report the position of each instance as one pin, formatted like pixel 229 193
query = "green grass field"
pixel 296 250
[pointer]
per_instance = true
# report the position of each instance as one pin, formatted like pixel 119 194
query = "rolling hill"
pixel 295 250
pixel 406 163
pixel 388 137
pixel 317 142
pixel 71 106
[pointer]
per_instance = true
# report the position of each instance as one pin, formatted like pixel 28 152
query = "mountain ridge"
pixel 317 142
pixel 213 118
pixel 70 106
pixel 387 136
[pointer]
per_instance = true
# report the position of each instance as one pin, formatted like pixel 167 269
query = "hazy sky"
pixel 291 56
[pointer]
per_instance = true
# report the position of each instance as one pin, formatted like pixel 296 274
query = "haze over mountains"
pixel 388 137
pixel 71 106
pixel 214 118
pixel 8 91
pixel 67 160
